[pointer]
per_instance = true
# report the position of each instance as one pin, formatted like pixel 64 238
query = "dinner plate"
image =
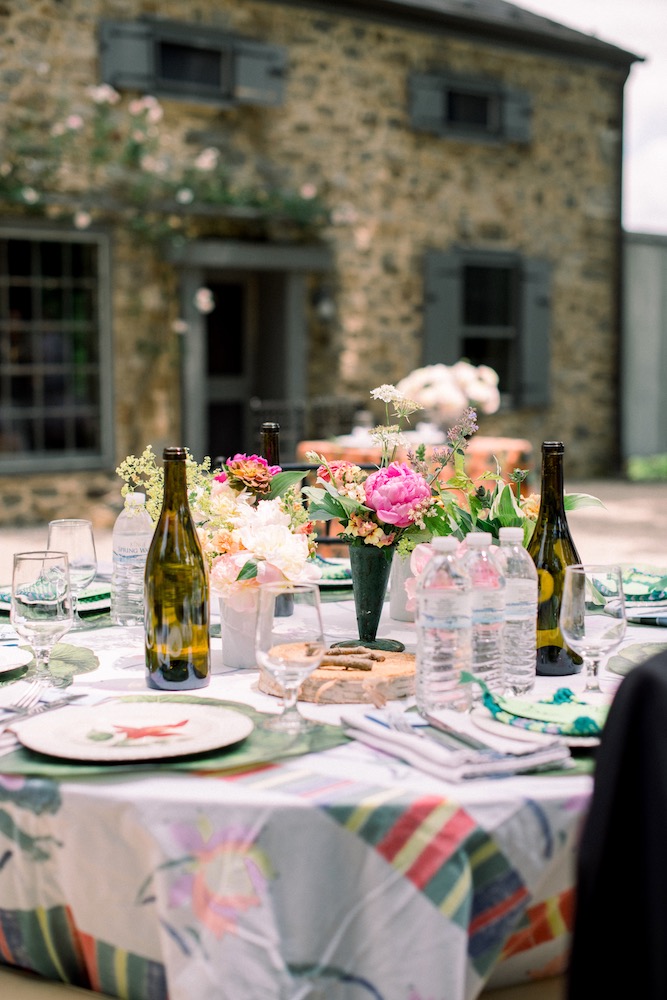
pixel 483 718
pixel 13 657
pixel 133 731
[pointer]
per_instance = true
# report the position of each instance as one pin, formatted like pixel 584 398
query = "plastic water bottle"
pixel 488 612
pixel 520 632
pixel 131 539
pixel 444 626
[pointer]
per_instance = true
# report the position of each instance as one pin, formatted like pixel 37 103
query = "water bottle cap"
pixel 511 534
pixel 478 539
pixel 444 543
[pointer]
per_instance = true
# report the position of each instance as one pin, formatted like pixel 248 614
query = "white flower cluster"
pixel 444 391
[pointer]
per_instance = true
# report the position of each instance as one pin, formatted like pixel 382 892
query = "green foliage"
pixel 646 468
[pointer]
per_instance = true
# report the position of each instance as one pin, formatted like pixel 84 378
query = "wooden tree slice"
pixel 392 678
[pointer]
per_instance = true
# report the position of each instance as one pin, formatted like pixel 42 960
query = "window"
pixel 493 309
pixel 469 108
pixel 55 360
pixel 190 62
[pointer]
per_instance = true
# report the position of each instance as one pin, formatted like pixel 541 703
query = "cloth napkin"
pixel 645 591
pixel 562 714
pixel 424 750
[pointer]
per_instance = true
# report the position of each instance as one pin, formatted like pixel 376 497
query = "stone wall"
pixel 393 192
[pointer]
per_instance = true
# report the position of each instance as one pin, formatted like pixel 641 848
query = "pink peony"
pixel 395 494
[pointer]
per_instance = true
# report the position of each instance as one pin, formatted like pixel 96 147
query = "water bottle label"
pixel 521 600
pixel 130 550
pixel 444 610
pixel 488 608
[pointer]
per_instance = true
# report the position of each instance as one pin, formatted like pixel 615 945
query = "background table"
pixel 341 873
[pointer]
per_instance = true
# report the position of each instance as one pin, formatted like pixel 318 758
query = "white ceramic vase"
pixel 400 572
pixel 238 635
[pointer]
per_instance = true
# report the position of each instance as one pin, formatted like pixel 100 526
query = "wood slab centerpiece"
pixel 354 674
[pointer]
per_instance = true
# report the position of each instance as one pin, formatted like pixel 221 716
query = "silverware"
pixel 39 709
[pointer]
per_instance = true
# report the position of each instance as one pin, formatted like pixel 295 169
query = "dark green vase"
pixel 370 568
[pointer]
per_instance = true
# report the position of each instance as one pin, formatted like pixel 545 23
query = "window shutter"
pixel 259 72
pixel 442 308
pixel 126 54
pixel 427 98
pixel 516 115
pixel 534 337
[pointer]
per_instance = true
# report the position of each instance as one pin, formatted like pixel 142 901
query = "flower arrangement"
pixel 114 153
pixel 401 505
pixel 399 502
pixel 251 523
pixel 445 391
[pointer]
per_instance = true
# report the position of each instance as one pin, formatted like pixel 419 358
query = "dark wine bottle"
pixel 552 549
pixel 269 442
pixel 176 590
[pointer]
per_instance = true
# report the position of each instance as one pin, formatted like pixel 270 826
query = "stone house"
pixel 295 202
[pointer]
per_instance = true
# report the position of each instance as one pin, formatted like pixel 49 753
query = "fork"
pixel 30 696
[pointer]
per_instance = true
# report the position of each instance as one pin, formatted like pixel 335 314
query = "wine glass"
pixel 41 607
pixel 289 647
pixel 592 616
pixel 75 537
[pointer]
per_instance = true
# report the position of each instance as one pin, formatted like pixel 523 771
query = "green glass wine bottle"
pixel 552 549
pixel 176 590
pixel 269 442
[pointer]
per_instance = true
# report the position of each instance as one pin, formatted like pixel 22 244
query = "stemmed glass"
pixel 289 647
pixel 41 608
pixel 75 537
pixel 592 616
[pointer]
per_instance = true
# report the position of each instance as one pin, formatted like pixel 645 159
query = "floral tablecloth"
pixel 340 873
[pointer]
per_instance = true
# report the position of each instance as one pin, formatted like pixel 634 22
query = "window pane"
pixel 188 64
pixel 465 108
pixel 488 296
pixel 19 257
pixel 54 434
pixel 20 302
pixel 498 354
pixel 21 391
pixel 52 259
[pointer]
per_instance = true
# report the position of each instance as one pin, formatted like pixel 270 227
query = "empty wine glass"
pixel 592 616
pixel 289 647
pixel 41 605
pixel 75 537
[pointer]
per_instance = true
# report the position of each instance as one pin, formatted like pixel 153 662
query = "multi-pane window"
pixel 184 61
pixel 54 358
pixel 493 309
pixel 467 108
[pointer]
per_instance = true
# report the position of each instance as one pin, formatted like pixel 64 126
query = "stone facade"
pixel 393 193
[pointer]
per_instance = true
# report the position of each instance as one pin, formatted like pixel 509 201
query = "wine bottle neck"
pixel 269 436
pixel 175 485
pixel 552 482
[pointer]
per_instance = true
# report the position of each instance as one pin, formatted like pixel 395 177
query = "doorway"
pixel 252 344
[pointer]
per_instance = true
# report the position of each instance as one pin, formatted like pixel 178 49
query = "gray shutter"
pixel 427 102
pixel 516 115
pixel 127 54
pixel 259 72
pixel 442 308
pixel 534 333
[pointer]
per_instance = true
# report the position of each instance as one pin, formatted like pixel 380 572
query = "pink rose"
pixel 395 493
